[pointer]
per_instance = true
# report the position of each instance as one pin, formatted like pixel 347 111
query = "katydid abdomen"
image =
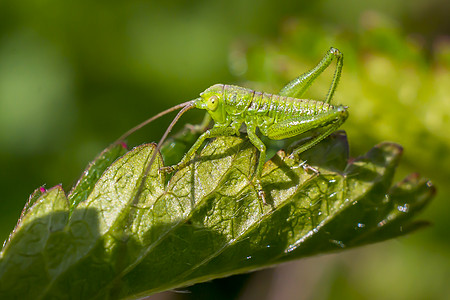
pixel 277 117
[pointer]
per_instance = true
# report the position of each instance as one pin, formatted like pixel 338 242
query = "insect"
pixel 277 116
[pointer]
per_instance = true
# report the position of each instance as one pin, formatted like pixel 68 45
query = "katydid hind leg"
pixel 325 124
pixel 297 87
pixel 316 139
pixel 337 74
pixel 301 124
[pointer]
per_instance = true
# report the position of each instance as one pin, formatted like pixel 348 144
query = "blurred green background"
pixel 75 75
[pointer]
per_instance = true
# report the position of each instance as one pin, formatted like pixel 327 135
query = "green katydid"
pixel 276 116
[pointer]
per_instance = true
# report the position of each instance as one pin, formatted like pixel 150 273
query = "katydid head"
pixel 212 101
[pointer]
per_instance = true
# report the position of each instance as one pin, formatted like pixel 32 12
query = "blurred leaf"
pixel 207 222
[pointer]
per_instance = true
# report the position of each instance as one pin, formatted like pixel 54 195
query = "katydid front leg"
pixel 255 140
pixel 210 133
pixel 202 126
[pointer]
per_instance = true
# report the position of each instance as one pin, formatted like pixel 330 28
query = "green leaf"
pixel 85 184
pixel 105 241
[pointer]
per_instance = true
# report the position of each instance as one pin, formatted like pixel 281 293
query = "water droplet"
pixel 249 257
pixel 338 243
pixel 361 225
pixel 382 223
pixel 404 208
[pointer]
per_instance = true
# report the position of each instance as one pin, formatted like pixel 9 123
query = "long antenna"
pixel 187 106
pixel 136 128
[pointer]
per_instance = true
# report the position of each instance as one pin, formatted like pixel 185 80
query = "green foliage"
pixel 106 240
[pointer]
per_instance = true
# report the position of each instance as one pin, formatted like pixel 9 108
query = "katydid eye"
pixel 213 102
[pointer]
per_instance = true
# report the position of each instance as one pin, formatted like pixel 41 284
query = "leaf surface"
pixel 106 241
